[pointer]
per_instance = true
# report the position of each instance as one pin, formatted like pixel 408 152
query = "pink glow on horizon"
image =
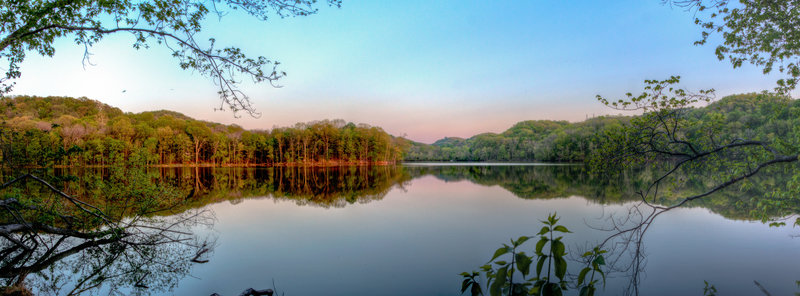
pixel 425 126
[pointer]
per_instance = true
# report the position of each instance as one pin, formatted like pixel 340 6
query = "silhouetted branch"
pixel 253 292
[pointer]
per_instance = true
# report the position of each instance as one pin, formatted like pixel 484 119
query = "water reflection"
pixel 66 265
pixel 126 195
pixel 336 187
pixel 322 187
pixel 124 241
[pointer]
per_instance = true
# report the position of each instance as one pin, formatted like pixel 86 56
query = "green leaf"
pixel 499 282
pixel 540 264
pixel 560 228
pixel 537 287
pixel 561 267
pixel 500 252
pixel 524 263
pixel 604 276
pixel 584 291
pixel 551 289
pixel 521 240
pixel 582 275
pixel 558 249
pixel 540 245
pixel 544 230
pixel 587 291
pixel 599 260
pixel 465 285
pixel 495 290
pixel 476 289
pixel 502 273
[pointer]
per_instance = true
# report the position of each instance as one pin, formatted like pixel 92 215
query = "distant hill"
pixel 534 129
pixel 752 116
pixel 80 131
pixel 531 140
pixel 449 142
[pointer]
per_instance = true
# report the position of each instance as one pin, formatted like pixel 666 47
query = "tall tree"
pixel 200 133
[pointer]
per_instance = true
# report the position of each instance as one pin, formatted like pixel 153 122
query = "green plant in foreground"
pixel 471 283
pixel 595 259
pixel 709 289
pixel 551 281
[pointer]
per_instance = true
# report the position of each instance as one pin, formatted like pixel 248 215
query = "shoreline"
pixel 314 164
pixel 242 165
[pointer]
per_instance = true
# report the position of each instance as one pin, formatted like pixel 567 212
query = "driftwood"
pixel 253 292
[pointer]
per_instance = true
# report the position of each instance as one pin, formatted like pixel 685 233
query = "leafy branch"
pixel 34 25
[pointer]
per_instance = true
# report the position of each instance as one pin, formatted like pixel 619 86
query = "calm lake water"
pixel 411 229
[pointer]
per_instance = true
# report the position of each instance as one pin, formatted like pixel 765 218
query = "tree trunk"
pixel 196 151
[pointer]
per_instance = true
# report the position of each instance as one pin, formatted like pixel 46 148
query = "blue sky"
pixel 425 69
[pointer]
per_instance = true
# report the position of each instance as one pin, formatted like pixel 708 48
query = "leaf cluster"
pixel 550 274
pixel 760 32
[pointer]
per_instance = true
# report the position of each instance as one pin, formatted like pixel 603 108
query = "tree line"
pixel 45 131
pixel 532 140
pixel 760 116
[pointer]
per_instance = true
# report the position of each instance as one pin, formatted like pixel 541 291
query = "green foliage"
pixel 471 284
pixel 549 252
pixel 761 32
pixel 539 140
pixel 83 132
pixel 725 143
pixel 610 144
pixel 596 260
pixel 709 289
pixel 34 26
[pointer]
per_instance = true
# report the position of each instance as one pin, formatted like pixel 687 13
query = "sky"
pixel 420 69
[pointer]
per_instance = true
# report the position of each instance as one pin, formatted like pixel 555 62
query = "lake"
pixel 411 229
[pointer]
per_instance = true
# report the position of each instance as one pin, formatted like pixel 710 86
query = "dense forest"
pixel 44 131
pixel 533 140
pixel 748 116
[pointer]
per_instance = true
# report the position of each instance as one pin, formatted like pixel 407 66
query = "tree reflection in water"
pixel 146 239
pixel 339 186
pixel 56 244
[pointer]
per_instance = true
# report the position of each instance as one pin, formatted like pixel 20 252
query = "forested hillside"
pixel 45 131
pixel 533 140
pixel 67 131
pixel 748 116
